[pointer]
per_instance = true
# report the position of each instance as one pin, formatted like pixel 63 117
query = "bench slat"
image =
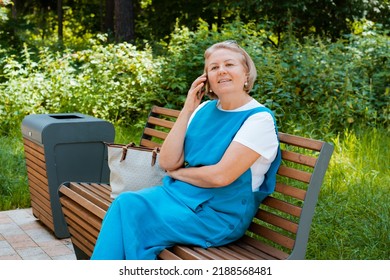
pixel 149 144
pixel 258 254
pixel 272 235
pixel 77 213
pixel 227 253
pixel 276 220
pixel 244 254
pixel 290 191
pixel 165 111
pixel 299 141
pixel 216 254
pixel 282 206
pixel 273 252
pixel 293 173
pixel 155 133
pixel 82 201
pixel 187 253
pixel 99 192
pixel 87 194
pixel 160 122
pixel 79 243
pixel 104 189
pixel 207 254
pixel 81 230
pixel 168 255
pixel 299 158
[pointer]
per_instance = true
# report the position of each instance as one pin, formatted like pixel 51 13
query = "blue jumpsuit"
pixel 139 225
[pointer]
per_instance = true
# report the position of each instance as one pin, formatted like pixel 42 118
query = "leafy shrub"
pixel 185 55
pixel 316 87
pixel 113 82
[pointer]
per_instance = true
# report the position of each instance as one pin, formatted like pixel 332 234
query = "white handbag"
pixel 133 168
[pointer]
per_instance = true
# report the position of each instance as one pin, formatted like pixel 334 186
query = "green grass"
pixel 125 135
pixel 352 218
pixel 13 174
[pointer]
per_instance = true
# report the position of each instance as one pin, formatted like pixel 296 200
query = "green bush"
pixel 316 87
pixel 185 60
pixel 336 85
pixel 113 82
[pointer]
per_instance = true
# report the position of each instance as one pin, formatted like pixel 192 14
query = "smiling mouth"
pixel 223 81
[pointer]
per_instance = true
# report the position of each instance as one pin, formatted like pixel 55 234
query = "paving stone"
pixel 22 236
pixel 34 253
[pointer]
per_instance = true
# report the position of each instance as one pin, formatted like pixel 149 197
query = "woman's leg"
pixel 139 225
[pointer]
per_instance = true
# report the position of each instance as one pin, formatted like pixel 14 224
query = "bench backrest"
pixel 284 218
pixel 159 123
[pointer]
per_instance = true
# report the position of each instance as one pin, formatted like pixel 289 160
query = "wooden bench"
pixel 280 229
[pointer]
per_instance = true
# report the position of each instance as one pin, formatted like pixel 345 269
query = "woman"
pixel 221 157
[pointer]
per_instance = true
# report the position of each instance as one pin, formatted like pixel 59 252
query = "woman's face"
pixel 226 72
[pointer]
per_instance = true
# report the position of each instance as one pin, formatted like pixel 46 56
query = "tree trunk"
pixel 15 9
pixel 124 21
pixel 109 17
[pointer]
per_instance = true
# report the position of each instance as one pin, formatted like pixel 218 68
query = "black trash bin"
pixel 60 148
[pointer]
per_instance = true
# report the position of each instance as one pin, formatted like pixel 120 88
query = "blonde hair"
pixel 247 62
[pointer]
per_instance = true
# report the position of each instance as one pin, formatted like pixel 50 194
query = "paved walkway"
pixel 23 237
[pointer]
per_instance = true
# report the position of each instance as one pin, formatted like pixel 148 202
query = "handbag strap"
pixel 124 150
pixel 155 151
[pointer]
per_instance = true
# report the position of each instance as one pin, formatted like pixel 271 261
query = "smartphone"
pixel 204 89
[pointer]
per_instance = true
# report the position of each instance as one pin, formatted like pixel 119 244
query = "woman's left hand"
pixel 236 160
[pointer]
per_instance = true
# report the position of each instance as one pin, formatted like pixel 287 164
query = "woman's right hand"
pixel 194 95
pixel 172 150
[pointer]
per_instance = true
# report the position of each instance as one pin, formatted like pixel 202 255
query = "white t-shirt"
pixel 258 134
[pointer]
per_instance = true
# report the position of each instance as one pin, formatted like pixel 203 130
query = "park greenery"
pixel 334 85
pixel 335 89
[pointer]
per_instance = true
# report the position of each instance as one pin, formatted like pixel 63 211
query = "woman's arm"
pixel 246 147
pixel 236 160
pixel 172 150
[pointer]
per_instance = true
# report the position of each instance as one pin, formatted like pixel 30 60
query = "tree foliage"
pixel 156 20
pixel 331 84
pixel 316 85
pixel 307 70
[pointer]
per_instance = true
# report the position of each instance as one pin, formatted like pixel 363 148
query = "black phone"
pixel 204 89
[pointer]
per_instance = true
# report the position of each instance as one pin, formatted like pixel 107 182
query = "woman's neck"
pixel 235 102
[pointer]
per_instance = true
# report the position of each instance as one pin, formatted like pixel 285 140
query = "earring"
pixel 245 85
pixel 210 90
